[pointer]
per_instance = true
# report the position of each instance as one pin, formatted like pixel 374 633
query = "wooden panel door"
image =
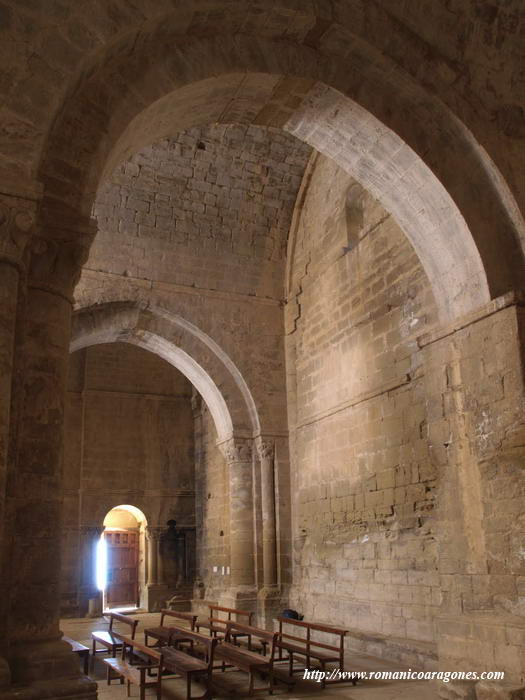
pixel 122 581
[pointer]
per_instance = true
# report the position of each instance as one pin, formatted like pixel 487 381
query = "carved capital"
pixel 265 448
pixel 17 219
pixel 56 262
pixel 154 533
pixel 237 450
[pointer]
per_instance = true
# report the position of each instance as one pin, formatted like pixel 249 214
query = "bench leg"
pixel 86 663
pixel 250 686
pixel 188 686
pixel 108 676
pixel 128 689
pixel 290 663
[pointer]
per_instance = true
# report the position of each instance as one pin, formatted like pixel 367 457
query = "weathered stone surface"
pixel 487 690
pixel 311 210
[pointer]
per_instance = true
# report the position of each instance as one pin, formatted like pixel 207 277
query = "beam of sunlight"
pixel 102 564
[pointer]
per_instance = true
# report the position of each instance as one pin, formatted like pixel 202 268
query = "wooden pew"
pixel 310 648
pixel 80 650
pixel 162 634
pixel 109 638
pixel 133 673
pixel 217 625
pixel 244 659
pixel 188 666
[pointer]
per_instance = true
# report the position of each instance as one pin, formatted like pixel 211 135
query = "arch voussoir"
pixel 184 346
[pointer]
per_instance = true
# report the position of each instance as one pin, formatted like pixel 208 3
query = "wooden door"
pixel 122 580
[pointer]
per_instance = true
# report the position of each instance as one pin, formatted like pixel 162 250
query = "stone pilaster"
pixel 34 491
pixel 17 216
pixel 238 455
pixel 266 451
pixel 152 569
pixel 270 597
pixel 157 590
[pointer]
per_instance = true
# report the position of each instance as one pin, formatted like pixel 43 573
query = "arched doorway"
pixel 121 558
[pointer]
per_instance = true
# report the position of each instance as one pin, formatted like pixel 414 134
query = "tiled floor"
pixel 233 684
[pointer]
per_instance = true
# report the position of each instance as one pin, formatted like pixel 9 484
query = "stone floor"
pixel 234 684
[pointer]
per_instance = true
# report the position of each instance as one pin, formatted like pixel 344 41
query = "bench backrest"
pixel 209 642
pixel 310 627
pixel 187 617
pixel 154 656
pixel 215 611
pixel 270 637
pixel 125 620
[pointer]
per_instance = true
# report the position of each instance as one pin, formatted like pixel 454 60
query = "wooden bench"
pixel 244 659
pixel 217 625
pixel 321 652
pixel 132 673
pixel 109 638
pixel 188 666
pixel 163 634
pixel 80 650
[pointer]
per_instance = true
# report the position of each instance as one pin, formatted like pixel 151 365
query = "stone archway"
pixel 184 346
pixel 236 419
pixel 406 148
pixel 286 58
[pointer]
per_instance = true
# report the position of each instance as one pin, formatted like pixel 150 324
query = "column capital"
pixel 265 447
pixel 237 449
pixel 154 533
pixel 17 223
pixel 56 260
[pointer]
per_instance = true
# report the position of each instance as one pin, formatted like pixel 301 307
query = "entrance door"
pixel 123 579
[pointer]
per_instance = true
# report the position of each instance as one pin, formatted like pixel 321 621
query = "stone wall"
pixel 407 445
pixel 162 243
pixel 210 208
pixel 476 434
pixel 364 484
pixel 128 440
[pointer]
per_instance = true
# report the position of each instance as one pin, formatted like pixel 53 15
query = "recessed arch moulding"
pixel 229 401
pixel 184 346
pixel 402 144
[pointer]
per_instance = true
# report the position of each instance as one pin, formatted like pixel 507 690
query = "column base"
pixel 5 674
pixel 239 597
pixel 270 604
pixel 59 689
pixel 95 606
pixel 46 669
pixel 42 661
pixel 157 595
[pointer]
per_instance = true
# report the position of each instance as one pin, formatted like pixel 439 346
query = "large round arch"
pixel 184 346
pixel 401 143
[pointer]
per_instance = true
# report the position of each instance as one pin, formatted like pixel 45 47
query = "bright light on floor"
pixel 125 608
pixel 102 564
